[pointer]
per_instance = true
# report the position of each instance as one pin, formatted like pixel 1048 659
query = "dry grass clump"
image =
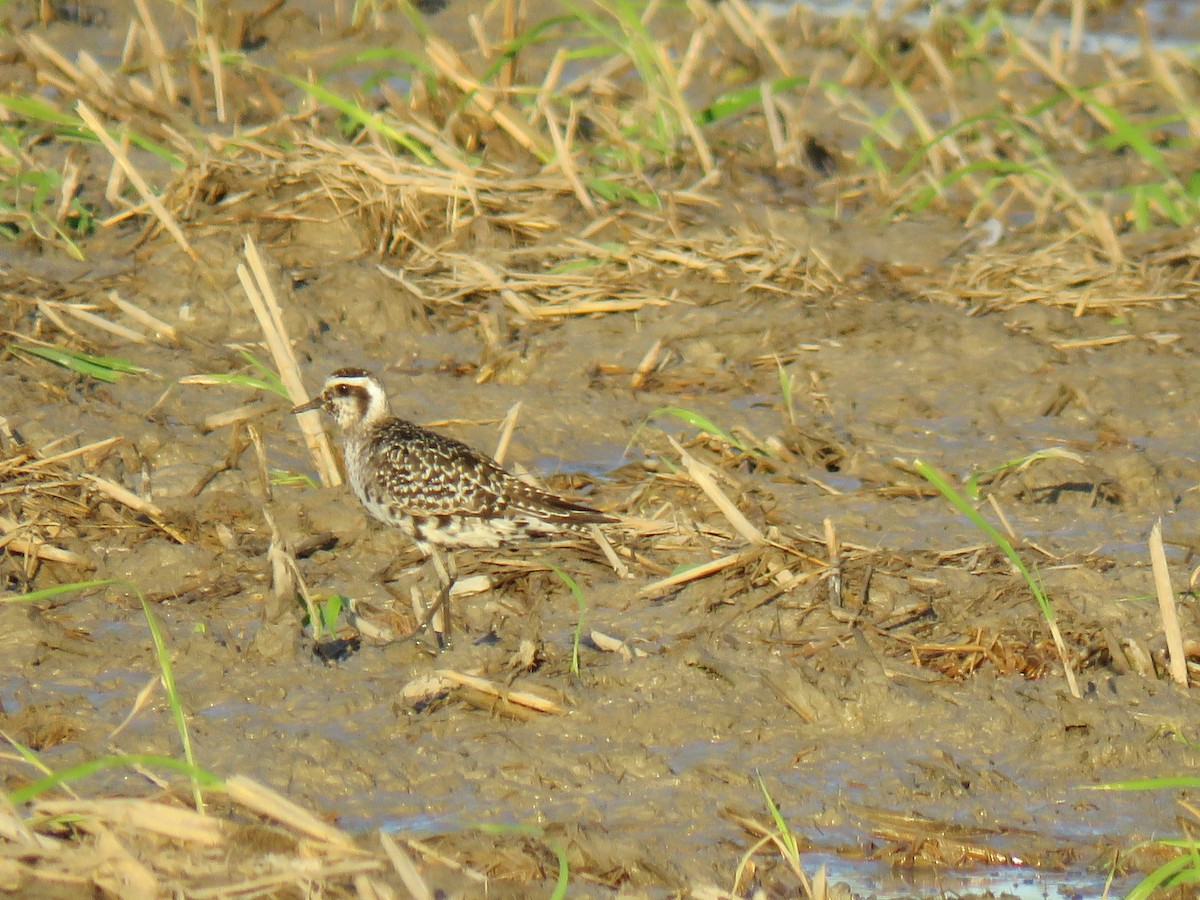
pixel 610 144
pixel 1068 276
pixel 47 507
pixel 452 240
pixel 254 843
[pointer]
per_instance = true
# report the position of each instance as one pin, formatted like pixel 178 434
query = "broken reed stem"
pixel 506 432
pixel 270 319
pixel 264 801
pixel 405 868
pixel 695 572
pixel 135 178
pixel 702 475
pixel 484 686
pixel 174 822
pixel 44 461
pixel 39 550
pixel 129 499
pixel 610 554
pixel 834 549
pixel 1166 606
pixel 146 320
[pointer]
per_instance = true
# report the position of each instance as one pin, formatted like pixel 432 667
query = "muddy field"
pixel 775 338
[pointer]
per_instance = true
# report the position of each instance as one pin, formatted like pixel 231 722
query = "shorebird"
pixel 441 493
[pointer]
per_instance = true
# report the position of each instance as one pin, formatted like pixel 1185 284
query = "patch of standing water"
pixel 880 881
pixel 1163 15
pixel 596 461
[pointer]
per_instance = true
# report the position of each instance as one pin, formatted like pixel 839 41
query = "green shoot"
pixel 1183 869
pixel 28 754
pixel 168 682
pixel 1179 870
pixel 696 420
pixel 1020 463
pixel 534 831
pixel 102 368
pixel 620 25
pixel 328 611
pixel 322 615
pixel 35 789
pixel 35 109
pixel 70 127
pixel 939 481
pixel 582 604
pixel 266 380
pixel 1178 782
pixel 372 121
pixel 198 776
pixel 56 591
pixel 615 191
pixel 734 102
pixel 787 383
pixel 284 478
pixel 784 840
pixel 27 198
pixel 527 38
pixel 375 55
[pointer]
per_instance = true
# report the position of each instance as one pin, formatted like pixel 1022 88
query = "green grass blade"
pixel 1123 130
pixel 37 110
pixel 787 385
pixel 734 102
pixel 781 825
pixel 971 486
pixel 1172 872
pixel 27 753
pixel 696 420
pixel 266 380
pixel 284 478
pixel 520 42
pixel 197 775
pixel 372 121
pixel 168 681
pixel 934 477
pixel 330 610
pixel 268 375
pixel 384 54
pixel 102 368
pixel 581 602
pixel 246 381
pixel 564 870
pixel 56 591
pixel 616 191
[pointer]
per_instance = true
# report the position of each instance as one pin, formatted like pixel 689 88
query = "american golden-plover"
pixel 441 493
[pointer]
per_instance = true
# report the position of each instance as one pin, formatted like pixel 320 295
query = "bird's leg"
pixel 437 614
pixel 447 571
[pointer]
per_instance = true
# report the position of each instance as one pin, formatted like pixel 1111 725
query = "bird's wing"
pixel 429 474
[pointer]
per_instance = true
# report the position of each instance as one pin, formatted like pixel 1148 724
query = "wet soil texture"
pixel 744 343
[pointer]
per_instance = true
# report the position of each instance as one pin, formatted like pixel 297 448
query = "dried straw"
pixel 270 318
pixel 1166 606
pixel 135 178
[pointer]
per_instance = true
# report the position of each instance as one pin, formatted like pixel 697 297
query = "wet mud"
pixel 875 664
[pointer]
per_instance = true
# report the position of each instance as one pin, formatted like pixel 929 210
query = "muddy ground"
pixel 898 696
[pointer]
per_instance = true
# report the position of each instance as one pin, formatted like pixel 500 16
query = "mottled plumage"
pixel 437 490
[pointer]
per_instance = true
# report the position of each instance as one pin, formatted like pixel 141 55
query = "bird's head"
pixel 354 398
